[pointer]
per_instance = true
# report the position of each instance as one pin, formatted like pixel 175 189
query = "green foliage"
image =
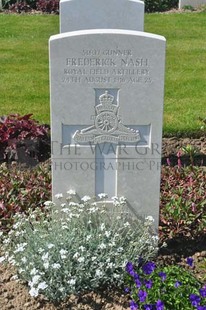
pixel 202 266
pixel 31 3
pixel 22 190
pixel 159 5
pixel 203 124
pixel 168 288
pixel 77 246
pixel 191 151
pixel 188 8
pixel 183 201
pixel 5 3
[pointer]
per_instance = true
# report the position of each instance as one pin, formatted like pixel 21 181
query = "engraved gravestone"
pixel 101 14
pixel 106 115
pixel 193 3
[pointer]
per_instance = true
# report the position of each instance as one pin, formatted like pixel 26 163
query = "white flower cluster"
pixel 81 245
pixel 36 286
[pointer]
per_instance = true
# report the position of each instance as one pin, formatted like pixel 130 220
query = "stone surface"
pixel 193 3
pixel 101 14
pixel 106 109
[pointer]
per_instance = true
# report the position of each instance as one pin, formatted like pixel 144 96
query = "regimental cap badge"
pixel 107 126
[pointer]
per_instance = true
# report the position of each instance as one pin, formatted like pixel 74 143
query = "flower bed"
pixel 182 225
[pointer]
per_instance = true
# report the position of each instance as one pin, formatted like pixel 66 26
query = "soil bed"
pixel 14 294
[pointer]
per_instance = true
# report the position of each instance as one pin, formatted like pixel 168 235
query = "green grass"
pixel 24 67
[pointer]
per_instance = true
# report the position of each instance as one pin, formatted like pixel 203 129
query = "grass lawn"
pixel 24 67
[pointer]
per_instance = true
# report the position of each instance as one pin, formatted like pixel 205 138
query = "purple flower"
pixel 148 307
pixel 201 307
pixel 189 261
pixel 203 292
pixel 148 268
pixel 136 276
pixel 127 290
pixel 133 305
pixel 159 305
pixel 194 299
pixel 148 283
pixel 137 280
pixel 138 283
pixel 177 283
pixel 142 295
pixel 130 269
pixel 162 275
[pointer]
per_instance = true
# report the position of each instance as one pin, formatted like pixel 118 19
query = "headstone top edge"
pixel 95 14
pixel 107 31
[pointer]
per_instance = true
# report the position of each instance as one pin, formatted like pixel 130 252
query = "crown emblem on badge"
pixel 106 98
pixel 106 104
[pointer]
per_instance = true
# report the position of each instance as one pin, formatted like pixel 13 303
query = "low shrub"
pixel 77 246
pixel 22 190
pixel 9 3
pixel 22 133
pixel 48 6
pixel 164 288
pixel 183 201
pixel 19 7
pixel 44 6
pixel 160 5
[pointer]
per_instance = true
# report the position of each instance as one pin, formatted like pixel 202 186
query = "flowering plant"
pixel 78 246
pixel 167 288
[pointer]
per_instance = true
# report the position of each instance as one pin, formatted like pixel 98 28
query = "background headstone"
pixel 101 14
pixel 106 107
pixel 193 3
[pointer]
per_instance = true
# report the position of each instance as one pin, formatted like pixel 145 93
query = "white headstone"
pixel 106 107
pixel 101 14
pixel 193 3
